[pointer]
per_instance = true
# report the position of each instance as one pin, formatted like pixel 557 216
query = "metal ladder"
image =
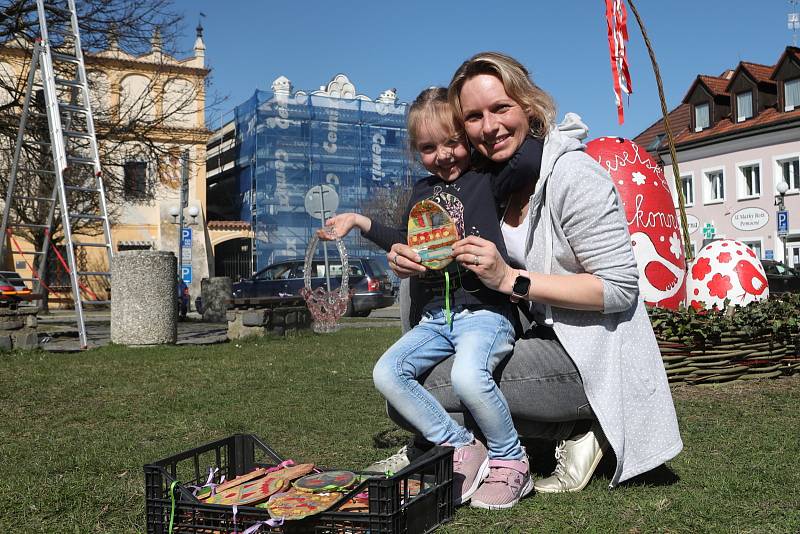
pixel 75 167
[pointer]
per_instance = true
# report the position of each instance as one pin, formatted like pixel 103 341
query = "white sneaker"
pixel 576 460
pixel 392 464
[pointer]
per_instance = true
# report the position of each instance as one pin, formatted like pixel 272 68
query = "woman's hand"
pixel 482 258
pixel 404 261
pixel 340 225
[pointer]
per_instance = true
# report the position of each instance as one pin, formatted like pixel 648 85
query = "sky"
pixel 411 45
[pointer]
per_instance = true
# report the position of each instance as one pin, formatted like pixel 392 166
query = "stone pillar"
pixel 144 302
pixel 215 293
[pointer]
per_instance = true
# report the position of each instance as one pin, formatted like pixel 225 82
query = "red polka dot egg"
pixel 652 221
pixel 725 269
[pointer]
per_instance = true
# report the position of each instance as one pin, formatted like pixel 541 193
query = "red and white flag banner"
pixel 617 20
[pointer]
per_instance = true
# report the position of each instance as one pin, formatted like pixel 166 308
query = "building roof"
pixel 723 127
pixel 760 73
pixel 680 116
pixel 654 138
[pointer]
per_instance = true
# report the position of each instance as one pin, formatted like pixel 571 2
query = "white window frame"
pixel 741 117
pixel 755 240
pixel 690 176
pixel 777 173
pixel 741 181
pixel 786 105
pixel 697 127
pixel 707 186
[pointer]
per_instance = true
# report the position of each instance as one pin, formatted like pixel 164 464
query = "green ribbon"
pixel 172 498
pixel 447 316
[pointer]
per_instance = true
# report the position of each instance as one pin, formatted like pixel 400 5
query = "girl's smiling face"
pixel 443 152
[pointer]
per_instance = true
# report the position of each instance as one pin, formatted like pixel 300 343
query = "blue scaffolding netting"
pixel 290 143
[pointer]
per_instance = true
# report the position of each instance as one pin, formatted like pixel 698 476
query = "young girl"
pixel 480 330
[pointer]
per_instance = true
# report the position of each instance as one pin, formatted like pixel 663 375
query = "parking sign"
pixel 186 237
pixel 783 223
pixel 186 273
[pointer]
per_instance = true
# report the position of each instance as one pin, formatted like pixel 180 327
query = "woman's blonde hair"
pixel 536 103
pixel 430 107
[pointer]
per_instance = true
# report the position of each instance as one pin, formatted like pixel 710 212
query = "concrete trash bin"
pixel 144 302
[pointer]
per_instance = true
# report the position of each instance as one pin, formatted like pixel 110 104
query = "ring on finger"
pixel 476 260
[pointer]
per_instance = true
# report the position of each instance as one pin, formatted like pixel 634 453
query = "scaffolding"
pixel 288 143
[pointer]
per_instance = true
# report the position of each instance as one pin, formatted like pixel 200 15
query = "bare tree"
pixel 138 129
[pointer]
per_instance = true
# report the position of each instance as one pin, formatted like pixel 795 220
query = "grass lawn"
pixel 76 429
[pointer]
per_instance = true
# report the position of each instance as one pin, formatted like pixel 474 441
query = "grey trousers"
pixel 539 381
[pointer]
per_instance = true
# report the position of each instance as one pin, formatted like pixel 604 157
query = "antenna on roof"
pixel 794 21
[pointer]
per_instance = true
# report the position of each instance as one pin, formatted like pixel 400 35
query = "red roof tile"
pixel 716 84
pixel 726 126
pixel 761 73
pixel 679 119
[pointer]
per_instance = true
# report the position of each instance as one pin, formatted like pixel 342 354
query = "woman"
pixel 589 372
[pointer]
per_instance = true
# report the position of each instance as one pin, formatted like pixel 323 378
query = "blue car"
pixel 370 285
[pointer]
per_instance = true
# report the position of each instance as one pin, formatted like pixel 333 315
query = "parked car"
pixel 368 279
pixel 12 289
pixel 781 279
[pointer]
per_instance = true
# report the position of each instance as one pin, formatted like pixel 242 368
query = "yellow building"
pixel 148 109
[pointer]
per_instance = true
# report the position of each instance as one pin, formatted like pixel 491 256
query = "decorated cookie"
pixel 431 233
pixel 726 269
pixel 653 222
pixel 260 489
pixel 327 481
pixel 295 504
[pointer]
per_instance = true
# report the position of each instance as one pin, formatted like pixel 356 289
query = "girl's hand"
pixel 404 261
pixel 482 258
pixel 340 225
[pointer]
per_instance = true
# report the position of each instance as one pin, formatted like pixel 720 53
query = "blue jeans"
pixel 479 339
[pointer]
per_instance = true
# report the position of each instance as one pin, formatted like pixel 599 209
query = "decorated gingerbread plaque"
pixel 653 222
pixel 431 233
pixel 726 269
pixel 295 504
pixel 260 489
pixel 326 481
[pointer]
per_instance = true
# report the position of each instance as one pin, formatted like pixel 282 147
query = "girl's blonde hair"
pixel 430 107
pixel 536 103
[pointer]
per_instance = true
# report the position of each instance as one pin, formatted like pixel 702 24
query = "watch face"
pixel 521 286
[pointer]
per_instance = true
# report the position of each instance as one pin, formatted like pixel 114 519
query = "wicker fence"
pixel 761 340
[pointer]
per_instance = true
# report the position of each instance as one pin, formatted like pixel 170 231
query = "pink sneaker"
pixel 470 467
pixel 507 483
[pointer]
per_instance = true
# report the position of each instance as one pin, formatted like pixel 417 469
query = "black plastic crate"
pixel 391 509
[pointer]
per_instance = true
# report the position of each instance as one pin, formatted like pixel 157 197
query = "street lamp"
pixel 782 187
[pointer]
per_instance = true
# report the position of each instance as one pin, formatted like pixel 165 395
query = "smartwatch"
pixel 522 285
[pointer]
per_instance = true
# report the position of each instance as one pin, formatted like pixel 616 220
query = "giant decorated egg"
pixel 652 219
pixel 726 269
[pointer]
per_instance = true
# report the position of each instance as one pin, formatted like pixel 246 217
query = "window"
pixel 701 117
pixel 715 186
pixel 789 170
pixel 791 94
pixel 687 183
pixel 744 106
pixel 756 246
pixel 749 180
pixel 135 180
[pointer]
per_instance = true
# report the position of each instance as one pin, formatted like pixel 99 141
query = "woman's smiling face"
pixel 496 125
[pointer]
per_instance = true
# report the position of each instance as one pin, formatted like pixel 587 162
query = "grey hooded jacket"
pixel 578 225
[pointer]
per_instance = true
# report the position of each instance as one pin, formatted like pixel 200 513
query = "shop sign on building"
pixel 748 219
